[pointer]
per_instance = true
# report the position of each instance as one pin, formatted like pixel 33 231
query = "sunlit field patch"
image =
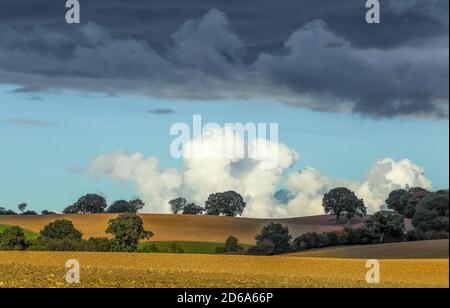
pixel 44 269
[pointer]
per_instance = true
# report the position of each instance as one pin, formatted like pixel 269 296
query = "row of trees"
pixel 127 230
pixel 228 203
pixel 22 207
pixel 429 212
pixel 96 204
pixel 383 227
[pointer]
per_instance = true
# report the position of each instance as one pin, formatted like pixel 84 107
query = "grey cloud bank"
pixel 319 55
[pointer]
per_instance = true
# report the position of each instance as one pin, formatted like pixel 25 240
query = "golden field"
pixel 45 269
pixel 186 228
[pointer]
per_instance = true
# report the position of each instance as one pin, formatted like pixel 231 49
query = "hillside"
pixel 184 227
pixel 412 250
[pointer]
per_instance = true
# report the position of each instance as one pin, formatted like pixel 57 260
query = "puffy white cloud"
pixel 216 163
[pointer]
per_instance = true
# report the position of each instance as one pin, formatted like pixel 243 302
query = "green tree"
pixel 385 226
pixel 232 244
pixel 229 203
pixel 193 209
pixel 343 202
pixel 61 229
pixel 405 202
pixel 310 241
pixel 5 212
pixel 29 213
pixel 122 206
pixel 128 230
pixel 177 205
pixel 433 213
pixel 395 201
pixel 13 239
pixel 46 213
pixel 90 203
pixel 276 234
pixel 22 207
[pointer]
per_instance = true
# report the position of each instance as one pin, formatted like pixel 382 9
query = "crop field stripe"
pixel 168 270
pixel 30 235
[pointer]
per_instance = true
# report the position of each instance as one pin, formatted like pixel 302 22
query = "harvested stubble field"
pixel 43 269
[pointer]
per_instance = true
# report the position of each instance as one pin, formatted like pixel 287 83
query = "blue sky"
pixel 68 129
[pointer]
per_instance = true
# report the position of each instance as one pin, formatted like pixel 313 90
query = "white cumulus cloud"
pixel 210 168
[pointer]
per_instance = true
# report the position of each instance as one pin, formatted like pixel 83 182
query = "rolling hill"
pixel 185 227
pixel 410 250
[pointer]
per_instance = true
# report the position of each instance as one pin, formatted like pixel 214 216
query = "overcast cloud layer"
pixel 319 55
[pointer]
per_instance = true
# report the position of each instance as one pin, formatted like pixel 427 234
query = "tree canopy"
pixel 177 205
pixel 61 230
pixel 343 202
pixel 229 203
pixel 405 202
pixel 123 206
pixel 385 226
pixel 432 213
pixel 276 236
pixel 128 230
pixel 90 203
pixel 13 238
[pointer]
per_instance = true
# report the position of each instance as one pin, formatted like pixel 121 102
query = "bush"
pixel 220 250
pixel 148 248
pixel 385 227
pixel 275 236
pixel 175 248
pixel 415 236
pixel 100 244
pixel 334 238
pixel 231 245
pixel 434 235
pixel 310 241
pixel 264 248
pixel 61 230
pixel 358 236
pixel 45 213
pixel 13 238
pixel 62 245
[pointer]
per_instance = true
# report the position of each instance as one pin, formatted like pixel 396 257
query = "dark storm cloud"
pixel 320 55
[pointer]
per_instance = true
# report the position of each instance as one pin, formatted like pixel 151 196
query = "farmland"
pixel 43 269
pixel 30 235
pixel 409 250
pixel 184 228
